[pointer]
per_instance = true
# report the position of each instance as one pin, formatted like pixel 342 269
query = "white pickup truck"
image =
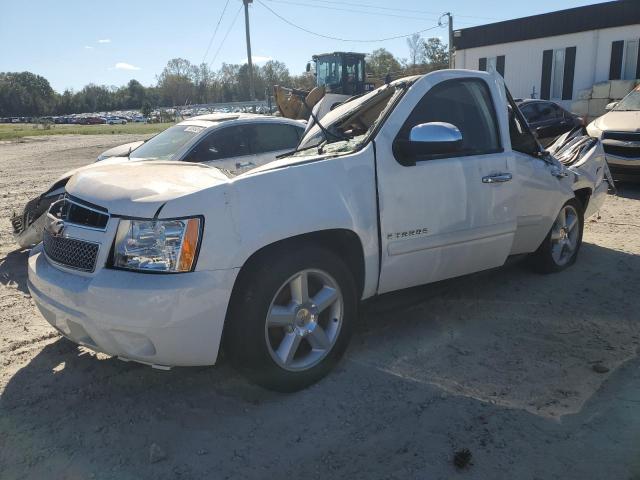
pixel 423 179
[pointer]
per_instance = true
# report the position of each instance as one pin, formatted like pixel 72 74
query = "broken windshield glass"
pixel 351 123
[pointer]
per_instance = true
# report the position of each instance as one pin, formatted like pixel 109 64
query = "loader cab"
pixel 341 72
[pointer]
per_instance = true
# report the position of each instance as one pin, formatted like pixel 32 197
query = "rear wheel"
pixel 559 249
pixel 291 319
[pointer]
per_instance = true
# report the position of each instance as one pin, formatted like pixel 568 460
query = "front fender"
pixel 255 210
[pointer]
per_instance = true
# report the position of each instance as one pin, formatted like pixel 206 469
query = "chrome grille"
pixel 622 136
pixel 72 253
pixel 620 151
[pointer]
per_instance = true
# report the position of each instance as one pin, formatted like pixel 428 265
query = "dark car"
pixel 92 121
pixel 548 120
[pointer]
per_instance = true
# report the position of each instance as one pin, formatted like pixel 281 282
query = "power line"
pixel 359 12
pixel 215 31
pixel 225 36
pixel 396 9
pixel 338 38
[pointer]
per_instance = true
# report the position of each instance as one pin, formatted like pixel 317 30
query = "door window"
pixel 531 112
pixel 522 139
pixel 464 103
pixel 271 137
pixel 548 112
pixel 226 142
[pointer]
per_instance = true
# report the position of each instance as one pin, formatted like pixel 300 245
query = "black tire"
pixel 542 260
pixel 245 341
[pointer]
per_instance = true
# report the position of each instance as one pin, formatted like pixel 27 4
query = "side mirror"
pixel 611 106
pixel 308 67
pixel 426 140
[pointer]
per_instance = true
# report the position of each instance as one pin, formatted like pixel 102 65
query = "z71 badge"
pixel 408 234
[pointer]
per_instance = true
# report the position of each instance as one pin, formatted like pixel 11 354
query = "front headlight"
pixel 157 245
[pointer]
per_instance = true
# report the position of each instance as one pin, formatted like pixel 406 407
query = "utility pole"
pixel 450 40
pixel 252 92
pixel 450 25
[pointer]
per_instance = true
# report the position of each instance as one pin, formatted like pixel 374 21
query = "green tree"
pixel 436 54
pixel 24 93
pixel 380 62
pixel 176 82
pixel 275 73
pixel 135 94
pixel 146 109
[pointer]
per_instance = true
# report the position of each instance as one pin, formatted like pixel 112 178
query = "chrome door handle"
pixel 497 178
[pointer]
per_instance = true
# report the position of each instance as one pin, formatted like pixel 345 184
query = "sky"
pixel 73 42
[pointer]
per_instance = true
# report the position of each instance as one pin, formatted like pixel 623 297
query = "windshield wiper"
pixel 322 128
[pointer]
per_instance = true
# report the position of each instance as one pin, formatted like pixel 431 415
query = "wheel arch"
pixel 583 195
pixel 343 242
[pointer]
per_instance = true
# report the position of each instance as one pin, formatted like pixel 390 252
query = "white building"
pixel 558 54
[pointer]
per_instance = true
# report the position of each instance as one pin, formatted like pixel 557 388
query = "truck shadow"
pixel 13 270
pixel 506 338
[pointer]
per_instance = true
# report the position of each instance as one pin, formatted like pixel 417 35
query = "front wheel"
pixel 560 247
pixel 291 319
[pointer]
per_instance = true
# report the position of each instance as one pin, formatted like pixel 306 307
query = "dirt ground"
pixel 537 376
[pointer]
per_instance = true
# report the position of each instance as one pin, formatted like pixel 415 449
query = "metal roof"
pixel 562 22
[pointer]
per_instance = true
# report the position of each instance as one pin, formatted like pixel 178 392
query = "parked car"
pixel 426 178
pixel 548 120
pixel 619 130
pixel 92 121
pixel 116 121
pixel 233 142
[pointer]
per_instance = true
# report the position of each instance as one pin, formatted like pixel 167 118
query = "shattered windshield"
pixel 629 103
pixel 350 124
pixel 165 145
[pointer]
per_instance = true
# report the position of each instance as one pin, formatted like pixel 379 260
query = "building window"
pixel 558 69
pixel 557 74
pixel 630 62
pixel 492 64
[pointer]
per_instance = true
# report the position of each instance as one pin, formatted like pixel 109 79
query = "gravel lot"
pixel 537 376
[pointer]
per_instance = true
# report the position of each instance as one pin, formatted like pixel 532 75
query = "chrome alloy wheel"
pixel 304 320
pixel 564 235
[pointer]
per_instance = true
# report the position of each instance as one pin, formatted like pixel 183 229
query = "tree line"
pixel 184 83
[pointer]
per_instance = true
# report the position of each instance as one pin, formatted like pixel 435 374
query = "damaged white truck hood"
pixel 139 189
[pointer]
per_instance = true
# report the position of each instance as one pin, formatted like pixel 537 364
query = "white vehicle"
pixel 421 180
pixel 116 121
pixel 235 143
pixel 619 130
pixel 119 151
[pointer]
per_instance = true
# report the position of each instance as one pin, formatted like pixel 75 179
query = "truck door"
pixel 445 210
pixel 540 192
